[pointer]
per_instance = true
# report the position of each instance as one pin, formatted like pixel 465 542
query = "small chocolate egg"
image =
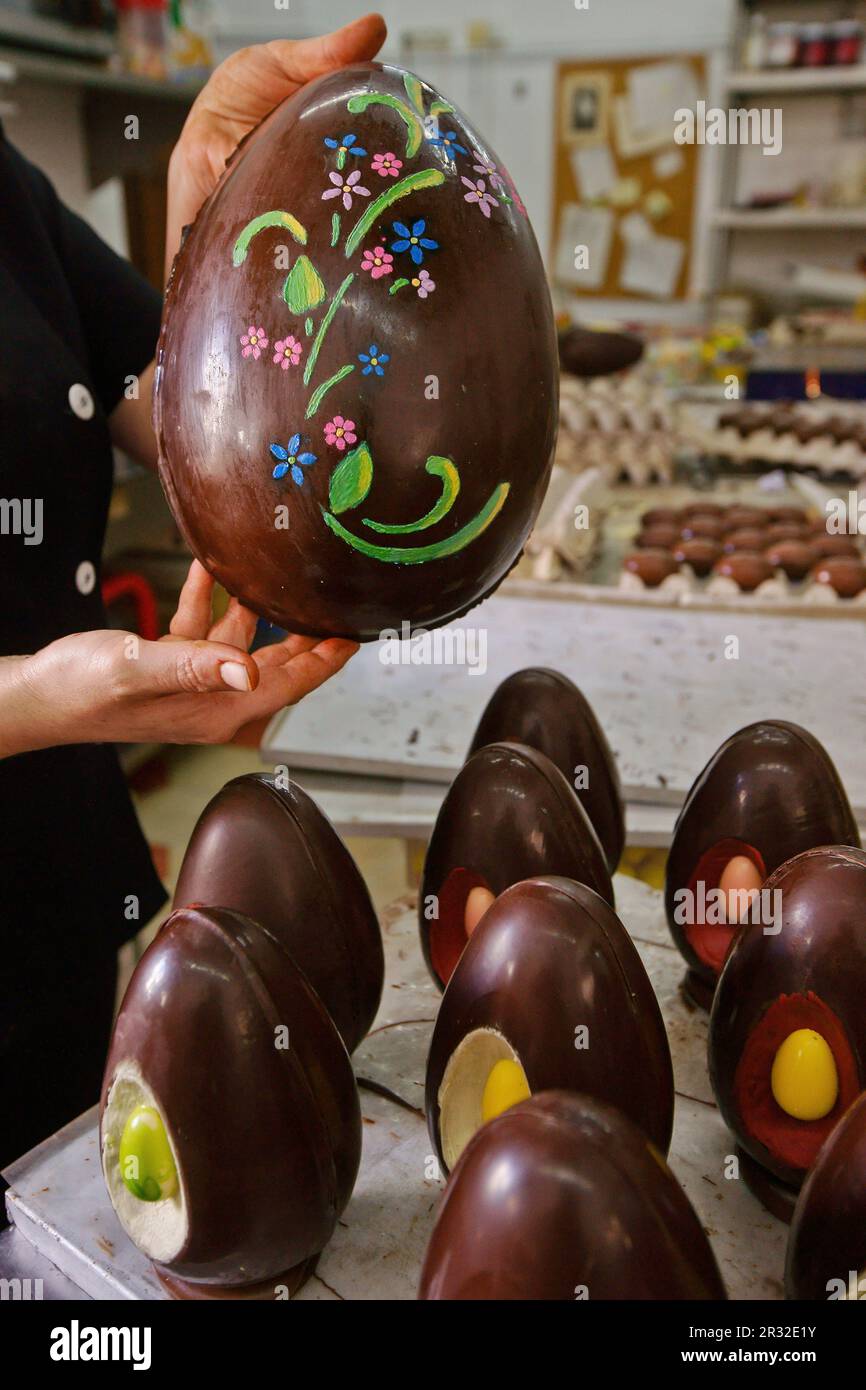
pixel 585 353
pixel 701 553
pixel 267 851
pixel 826 1256
pixel 784 531
pixel 600 1031
pixel 796 558
pixel 701 508
pixel 562 1198
pixel 843 573
pixel 657 538
pixel 786 514
pixel 739 517
pixel 230 1125
pixel 747 568
pixel 660 516
pixel 823 547
pixel 651 566
pixel 701 525
pixel 545 710
pixel 509 814
pixel 744 538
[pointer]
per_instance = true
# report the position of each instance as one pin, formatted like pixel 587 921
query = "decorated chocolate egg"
pixel 563 1198
pixel 787 1043
pixel 509 814
pixel 230 1126
pixel 549 994
pixel 826 1256
pixel 545 710
pixel 356 394
pixel 768 793
pixel 266 850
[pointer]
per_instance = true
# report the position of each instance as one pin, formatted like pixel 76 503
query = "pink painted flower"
pixel 253 342
pixel 386 164
pixel 478 194
pixel 287 352
pixel 340 432
pixel 489 171
pixel 379 262
pixel 348 187
pixel 423 284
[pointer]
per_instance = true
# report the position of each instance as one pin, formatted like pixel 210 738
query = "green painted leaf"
pixel 303 289
pixel 437 467
pixel 258 224
pixel 437 550
pixel 414 92
pixel 410 118
pixel 350 481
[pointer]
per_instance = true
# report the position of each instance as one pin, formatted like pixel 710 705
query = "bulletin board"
pixel 623 188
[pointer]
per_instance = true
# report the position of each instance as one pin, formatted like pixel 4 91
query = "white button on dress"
pixel 81 401
pixel 85 577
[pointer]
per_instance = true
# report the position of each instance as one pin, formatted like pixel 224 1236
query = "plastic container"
pixel 783 45
pixel 142 37
pixel 846 42
pixel 815 48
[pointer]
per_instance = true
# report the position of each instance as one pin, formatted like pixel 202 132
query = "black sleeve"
pixel 118 309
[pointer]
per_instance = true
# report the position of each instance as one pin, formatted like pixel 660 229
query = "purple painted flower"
pixel 290 460
pixel 379 262
pixel 349 187
pixel 489 171
pixel 340 432
pixel 413 240
pixel 386 164
pixel 478 194
pixel 253 342
pixel 423 283
pixel 287 352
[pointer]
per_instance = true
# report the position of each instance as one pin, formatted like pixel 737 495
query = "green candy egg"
pixel 146 1163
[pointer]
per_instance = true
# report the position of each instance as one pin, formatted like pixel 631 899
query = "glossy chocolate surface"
pixel 271 854
pixel 427 505
pixel 545 710
pixel 747 568
pixel 819 951
pixel 585 353
pixel 701 553
pixel 794 557
pixel 771 786
pixel 267 1140
pixel 652 566
pixel 554 940
pixel 745 538
pixel 509 814
pixel 827 1242
pixel 562 1194
pixel 844 573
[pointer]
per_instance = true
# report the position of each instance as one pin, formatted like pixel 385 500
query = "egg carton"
pixel 625 429
pixel 823 454
pixel 685 588
pixel 556 543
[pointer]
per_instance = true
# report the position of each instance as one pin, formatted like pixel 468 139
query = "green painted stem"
pixel 258 224
pixel 335 228
pixel 437 550
pixel 422 178
pixel 324 326
pixel 321 391
pixel 440 468
pixel 398 285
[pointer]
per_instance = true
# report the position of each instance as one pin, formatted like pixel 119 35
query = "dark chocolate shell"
pixel 768 793
pixel 747 568
pixel 826 1255
pixel 807 972
pixel 545 710
pixel 266 1137
pixel 562 1198
pixel 794 557
pixel 701 554
pixel 651 566
pixel 268 852
pixel 586 353
pixel 356 394
pixel 509 814
pixel 844 573
pixel 550 979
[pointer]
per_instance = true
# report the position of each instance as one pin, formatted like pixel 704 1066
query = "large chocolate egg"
pixel 787 1042
pixel 563 1198
pixel 826 1256
pixel 509 814
pixel 267 851
pixel 545 710
pixel 768 793
pixel 230 1124
pixel 549 994
pixel 356 394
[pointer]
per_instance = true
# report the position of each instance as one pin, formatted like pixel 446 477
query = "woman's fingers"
pixel 304 59
pixel 278 653
pixel 189 668
pixel 193 617
pixel 237 626
pixel 287 682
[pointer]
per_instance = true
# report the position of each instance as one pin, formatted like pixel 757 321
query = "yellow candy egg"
pixel 505 1086
pixel 804 1079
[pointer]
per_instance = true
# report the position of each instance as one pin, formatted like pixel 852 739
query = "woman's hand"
pixel 198 685
pixel 239 94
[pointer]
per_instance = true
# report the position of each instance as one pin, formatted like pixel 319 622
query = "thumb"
pixel 304 59
pixel 172 667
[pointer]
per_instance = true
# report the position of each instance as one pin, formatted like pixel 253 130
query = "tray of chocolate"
pixel 827 439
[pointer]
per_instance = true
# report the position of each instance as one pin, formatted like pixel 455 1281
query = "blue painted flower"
pixel 290 461
pixel 413 241
pixel 374 359
pixel 449 143
pixel 343 147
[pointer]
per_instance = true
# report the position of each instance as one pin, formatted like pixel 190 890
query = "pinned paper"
pixel 656 91
pixel 583 247
pixel 624 193
pixel 634 227
pixel 594 171
pixel 667 164
pixel 652 265
pixel 631 144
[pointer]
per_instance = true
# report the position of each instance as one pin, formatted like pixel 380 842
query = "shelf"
pixel 791 219
pixel 20 64
pixel 802 80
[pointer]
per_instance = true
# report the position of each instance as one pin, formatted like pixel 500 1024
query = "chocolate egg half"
pixel 768 793
pixel 826 1257
pixel 545 710
pixel 356 390
pixel 549 994
pixel 230 1127
pixel 267 851
pixel 787 1043
pixel 563 1198
pixel 509 815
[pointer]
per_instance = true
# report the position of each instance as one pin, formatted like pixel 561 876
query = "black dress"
pixel 76 878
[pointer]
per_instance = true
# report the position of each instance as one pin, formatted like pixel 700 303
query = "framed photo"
pixel 585 108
